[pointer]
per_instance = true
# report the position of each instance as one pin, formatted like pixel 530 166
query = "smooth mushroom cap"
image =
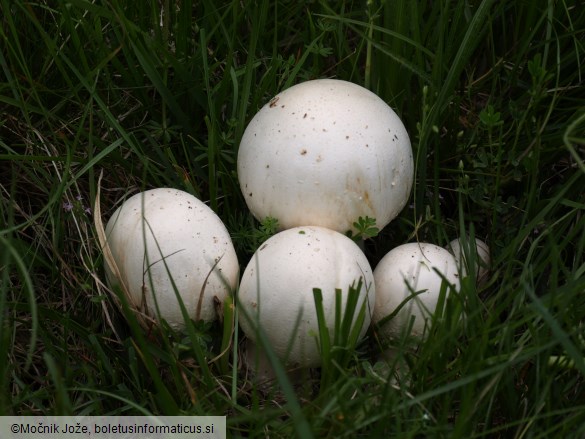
pixel 164 236
pixel 407 269
pixel 276 290
pixel 326 152
pixel 482 258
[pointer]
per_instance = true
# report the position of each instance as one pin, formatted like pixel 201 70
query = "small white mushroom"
pixel 481 258
pixel 408 273
pixel 276 290
pixel 164 237
pixel 325 153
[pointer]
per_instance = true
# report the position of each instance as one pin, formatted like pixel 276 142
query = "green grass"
pixel 492 94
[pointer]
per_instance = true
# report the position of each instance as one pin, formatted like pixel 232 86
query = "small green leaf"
pixel 365 228
pixel 489 117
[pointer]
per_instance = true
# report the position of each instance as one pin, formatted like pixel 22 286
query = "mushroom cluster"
pixel 319 157
pixel 410 279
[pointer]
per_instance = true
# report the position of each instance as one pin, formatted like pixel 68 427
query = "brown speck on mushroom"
pixel 305 116
pixel 274 101
pixel 303 151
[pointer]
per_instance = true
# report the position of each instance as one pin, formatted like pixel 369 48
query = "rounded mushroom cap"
pixel 482 258
pixel 326 152
pixel 164 236
pixel 276 290
pixel 407 269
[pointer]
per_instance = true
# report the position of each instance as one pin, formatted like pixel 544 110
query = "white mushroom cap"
pixel 406 269
pixel 482 258
pixel 326 152
pixel 276 290
pixel 167 230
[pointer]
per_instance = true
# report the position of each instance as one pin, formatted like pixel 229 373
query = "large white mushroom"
pixel 276 290
pixel 409 271
pixel 165 240
pixel 326 152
